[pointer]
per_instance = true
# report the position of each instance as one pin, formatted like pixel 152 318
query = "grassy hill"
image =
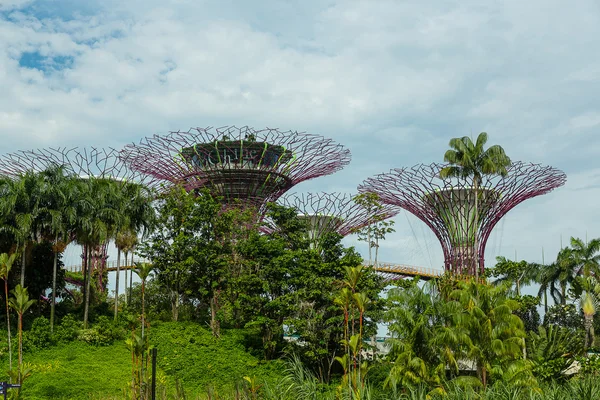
pixel 188 357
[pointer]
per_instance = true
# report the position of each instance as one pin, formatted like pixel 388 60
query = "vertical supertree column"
pixel 447 206
pixel 85 163
pixel 332 213
pixel 241 166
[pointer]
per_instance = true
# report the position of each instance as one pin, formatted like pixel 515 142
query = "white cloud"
pixel 393 80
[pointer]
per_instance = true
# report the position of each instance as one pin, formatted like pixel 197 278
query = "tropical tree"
pixel 6 263
pixel 425 341
pixel 377 228
pixel 143 270
pixel 470 160
pixel 20 208
pixel 138 217
pixel 20 302
pixel 559 275
pixel 518 273
pixel 60 197
pixel 97 219
pixel 586 256
pixel 496 333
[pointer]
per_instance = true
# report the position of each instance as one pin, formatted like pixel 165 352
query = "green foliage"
pixel 552 350
pixel 39 335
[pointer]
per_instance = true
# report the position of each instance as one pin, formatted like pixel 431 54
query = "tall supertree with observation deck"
pixel 241 166
pixel 461 217
pixel 332 213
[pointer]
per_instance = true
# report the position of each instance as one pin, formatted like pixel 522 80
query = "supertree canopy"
pixel 237 164
pixel 333 212
pixel 461 217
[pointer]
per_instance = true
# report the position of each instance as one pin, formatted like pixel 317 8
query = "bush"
pixel 104 333
pixel 68 330
pixel 39 336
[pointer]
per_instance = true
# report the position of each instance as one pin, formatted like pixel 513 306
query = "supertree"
pixel 85 163
pixel 447 206
pixel 332 212
pixel 241 166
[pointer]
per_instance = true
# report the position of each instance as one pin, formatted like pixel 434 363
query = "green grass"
pixel 76 371
pixel 187 353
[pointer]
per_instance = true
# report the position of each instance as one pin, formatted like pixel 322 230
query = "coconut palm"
pixel 587 256
pixel 20 302
pixel 470 160
pixel 6 263
pixel 559 275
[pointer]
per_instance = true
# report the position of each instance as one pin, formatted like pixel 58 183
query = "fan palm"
pixel 470 160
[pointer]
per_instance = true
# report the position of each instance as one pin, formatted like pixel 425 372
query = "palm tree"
pixel 138 217
pixel 20 303
pixel 467 159
pixel 559 275
pixel 97 219
pixel 6 263
pixel 587 256
pixel 143 270
pixel 497 335
pixel 61 196
pixel 518 272
pixel 20 207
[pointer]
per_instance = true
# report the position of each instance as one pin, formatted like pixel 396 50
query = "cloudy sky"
pixel 392 80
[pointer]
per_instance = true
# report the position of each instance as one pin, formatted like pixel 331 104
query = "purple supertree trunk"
pixel 447 206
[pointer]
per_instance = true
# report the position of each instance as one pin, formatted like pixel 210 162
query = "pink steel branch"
pixel 82 162
pixel 447 205
pixel 338 212
pixel 310 156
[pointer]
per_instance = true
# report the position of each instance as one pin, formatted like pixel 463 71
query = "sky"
pixel 393 81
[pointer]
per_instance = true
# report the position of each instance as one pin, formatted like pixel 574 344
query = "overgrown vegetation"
pixel 238 313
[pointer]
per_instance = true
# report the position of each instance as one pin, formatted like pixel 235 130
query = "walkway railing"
pixel 406 270
pixel 383 267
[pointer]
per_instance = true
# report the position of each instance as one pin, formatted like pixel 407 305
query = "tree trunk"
pixel 54 268
pixel 130 280
pixel 8 323
pixel 86 305
pixel 20 328
pixel 23 265
pixel 117 282
pixel 214 323
pixel 476 223
pixel 143 308
pixel 125 291
pixel 545 300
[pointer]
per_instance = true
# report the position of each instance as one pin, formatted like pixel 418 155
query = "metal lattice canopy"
pixel 238 164
pixel 447 206
pixel 82 162
pixel 332 212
